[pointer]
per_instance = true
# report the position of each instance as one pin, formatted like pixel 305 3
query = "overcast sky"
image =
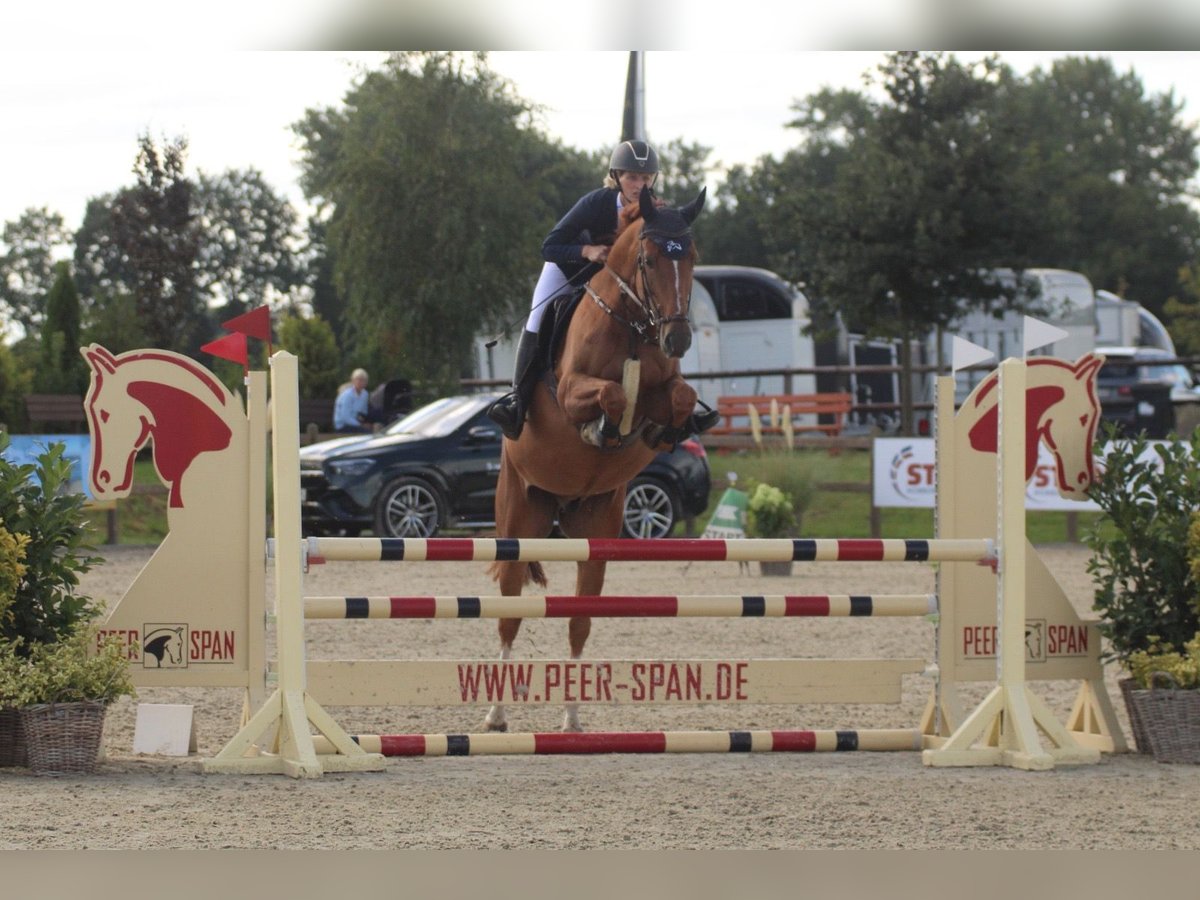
pixel 71 119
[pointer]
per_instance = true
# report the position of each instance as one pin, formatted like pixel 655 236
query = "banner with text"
pixel 904 473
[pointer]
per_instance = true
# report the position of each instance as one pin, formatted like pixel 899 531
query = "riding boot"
pixel 509 411
pixel 702 420
pixel 695 424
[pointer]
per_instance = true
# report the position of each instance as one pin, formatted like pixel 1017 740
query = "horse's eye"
pixel 1083 420
pixel 104 415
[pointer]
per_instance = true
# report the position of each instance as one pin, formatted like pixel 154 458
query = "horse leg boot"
pixel 496 720
pixel 509 411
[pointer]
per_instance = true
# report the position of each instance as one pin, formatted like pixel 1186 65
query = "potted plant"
pixel 12 570
pixel 63 690
pixel 47 527
pixel 1145 550
pixel 770 514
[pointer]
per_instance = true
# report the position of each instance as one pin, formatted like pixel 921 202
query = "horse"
pixel 636 307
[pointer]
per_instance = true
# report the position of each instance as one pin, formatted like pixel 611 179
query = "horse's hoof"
pixel 572 729
pixel 601 432
pixel 494 726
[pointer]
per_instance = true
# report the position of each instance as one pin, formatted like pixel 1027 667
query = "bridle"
pixel 648 326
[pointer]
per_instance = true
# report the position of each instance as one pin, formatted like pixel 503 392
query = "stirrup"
pixel 700 422
pixel 601 432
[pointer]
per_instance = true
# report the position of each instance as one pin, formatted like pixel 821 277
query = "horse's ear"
pixel 99 358
pixel 646 204
pixel 692 210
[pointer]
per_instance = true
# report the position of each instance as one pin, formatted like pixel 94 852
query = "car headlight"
pixel 349 468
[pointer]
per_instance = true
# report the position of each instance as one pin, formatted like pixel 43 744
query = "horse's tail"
pixel 534 571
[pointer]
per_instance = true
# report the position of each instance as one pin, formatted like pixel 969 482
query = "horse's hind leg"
pixel 520 513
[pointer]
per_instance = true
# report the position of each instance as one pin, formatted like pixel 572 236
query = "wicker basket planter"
pixel 64 738
pixel 1142 742
pixel 1171 720
pixel 12 738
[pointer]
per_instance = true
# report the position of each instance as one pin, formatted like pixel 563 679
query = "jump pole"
pixel 560 743
pixel 552 606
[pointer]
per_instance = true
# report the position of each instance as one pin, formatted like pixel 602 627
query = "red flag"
pixel 231 347
pixel 256 324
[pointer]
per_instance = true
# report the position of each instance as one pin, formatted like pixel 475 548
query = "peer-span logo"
pixel 164 647
pixel 911 477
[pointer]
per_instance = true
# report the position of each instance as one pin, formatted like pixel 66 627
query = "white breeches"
pixel 550 282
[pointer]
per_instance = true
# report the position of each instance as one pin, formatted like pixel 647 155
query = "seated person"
pixel 351 412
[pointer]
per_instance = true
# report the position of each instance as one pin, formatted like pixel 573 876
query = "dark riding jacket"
pixel 592 220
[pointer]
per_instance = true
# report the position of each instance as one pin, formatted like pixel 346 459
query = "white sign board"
pixel 904 471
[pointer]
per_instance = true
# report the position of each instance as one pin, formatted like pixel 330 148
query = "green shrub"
pixel 770 513
pixel 45 606
pixel 77 668
pixel 1145 576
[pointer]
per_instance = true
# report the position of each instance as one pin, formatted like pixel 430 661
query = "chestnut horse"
pixel 636 307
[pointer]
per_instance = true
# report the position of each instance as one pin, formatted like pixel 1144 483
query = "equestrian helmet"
pixel 633 156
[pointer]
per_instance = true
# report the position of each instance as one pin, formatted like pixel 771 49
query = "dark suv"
pixel 437 468
pixel 1139 390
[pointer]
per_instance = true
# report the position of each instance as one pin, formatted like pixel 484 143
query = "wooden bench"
pixel 830 411
pixel 58 409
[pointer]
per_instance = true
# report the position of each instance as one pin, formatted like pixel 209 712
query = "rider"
pixel 574 250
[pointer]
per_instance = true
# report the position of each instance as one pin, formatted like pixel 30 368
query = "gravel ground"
pixel 863 800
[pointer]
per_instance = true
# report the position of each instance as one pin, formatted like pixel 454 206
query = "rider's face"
pixel 631 184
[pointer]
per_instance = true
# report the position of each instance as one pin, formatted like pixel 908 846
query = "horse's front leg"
pixel 589 581
pixel 511 577
pixel 585 397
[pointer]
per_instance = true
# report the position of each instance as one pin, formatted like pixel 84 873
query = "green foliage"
pixel 46 605
pixel 311 340
pixel 77 668
pixel 1146 587
pixel 114 324
pixel 27 266
pixel 12 567
pixel 62 369
pixel 769 513
pixel 248 235
pixel 1183 311
pixel 14 385
pixel 1184 668
pixel 439 193
pixel 144 241
pixel 786 471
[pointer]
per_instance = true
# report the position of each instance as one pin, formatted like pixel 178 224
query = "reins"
pixel 652 318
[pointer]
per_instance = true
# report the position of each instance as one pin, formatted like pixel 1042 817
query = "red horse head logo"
pixel 1061 410
pixel 152 395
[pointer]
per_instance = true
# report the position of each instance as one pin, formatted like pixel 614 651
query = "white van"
pixel 1063 298
pixel 743 319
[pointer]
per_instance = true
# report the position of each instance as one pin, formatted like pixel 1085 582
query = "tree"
pixel 684 170
pixel 310 339
pixel 437 192
pixel 1112 170
pixel 143 241
pixel 61 369
pixel 27 266
pixel 247 242
pixel 114 324
pixel 896 216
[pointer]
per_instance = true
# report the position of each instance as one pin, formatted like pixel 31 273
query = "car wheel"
pixel 651 509
pixel 408 508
